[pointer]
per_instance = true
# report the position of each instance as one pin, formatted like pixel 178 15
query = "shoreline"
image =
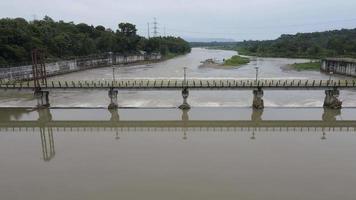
pixel 303 66
pixel 145 62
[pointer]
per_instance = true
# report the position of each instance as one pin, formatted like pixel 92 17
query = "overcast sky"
pixel 235 19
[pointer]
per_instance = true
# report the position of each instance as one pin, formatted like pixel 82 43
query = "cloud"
pixel 238 19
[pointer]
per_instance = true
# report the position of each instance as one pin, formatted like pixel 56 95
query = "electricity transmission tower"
pixel 155 27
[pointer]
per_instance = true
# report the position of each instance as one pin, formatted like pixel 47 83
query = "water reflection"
pixel 47 143
pixel 13 119
pixel 331 114
pixel 46 133
pixel 256 114
pixel 8 114
pixel 46 125
pixel 114 115
pixel 253 137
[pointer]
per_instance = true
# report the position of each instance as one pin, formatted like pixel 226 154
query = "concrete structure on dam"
pixel 343 66
pixel 79 64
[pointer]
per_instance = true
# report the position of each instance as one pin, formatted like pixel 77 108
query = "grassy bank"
pixel 171 55
pixel 236 61
pixel 306 66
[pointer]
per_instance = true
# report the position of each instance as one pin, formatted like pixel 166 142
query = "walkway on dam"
pixel 172 84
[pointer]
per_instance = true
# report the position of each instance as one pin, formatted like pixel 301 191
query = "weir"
pixel 332 88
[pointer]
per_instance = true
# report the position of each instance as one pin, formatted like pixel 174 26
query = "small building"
pixel 344 66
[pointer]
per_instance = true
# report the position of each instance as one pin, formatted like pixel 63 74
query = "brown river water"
pixel 270 68
pixel 220 149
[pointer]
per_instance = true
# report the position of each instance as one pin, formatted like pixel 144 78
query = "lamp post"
pixel 330 73
pixel 185 76
pixel 256 73
pixel 113 74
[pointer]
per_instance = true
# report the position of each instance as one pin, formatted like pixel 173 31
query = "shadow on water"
pixel 7 114
pixel 45 125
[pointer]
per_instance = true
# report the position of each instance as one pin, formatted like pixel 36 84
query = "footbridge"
pixel 331 87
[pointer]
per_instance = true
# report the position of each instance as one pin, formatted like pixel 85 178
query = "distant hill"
pixel 207 40
pixel 336 43
pixel 219 45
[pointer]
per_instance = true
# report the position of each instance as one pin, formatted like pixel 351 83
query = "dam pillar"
pixel 42 98
pixel 115 117
pixel 330 115
pixel 44 115
pixel 257 99
pixel 256 115
pixel 331 100
pixel 185 105
pixel 113 99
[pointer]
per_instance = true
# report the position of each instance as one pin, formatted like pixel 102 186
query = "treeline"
pixel 63 40
pixel 338 43
pixel 213 44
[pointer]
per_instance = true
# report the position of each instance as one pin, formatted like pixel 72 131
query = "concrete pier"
pixel 42 98
pixel 330 115
pixel 331 99
pixel 185 105
pixel 115 117
pixel 257 99
pixel 256 115
pixel 44 115
pixel 113 99
pixel 344 66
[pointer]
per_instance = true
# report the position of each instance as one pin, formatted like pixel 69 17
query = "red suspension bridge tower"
pixel 39 76
pixel 38 69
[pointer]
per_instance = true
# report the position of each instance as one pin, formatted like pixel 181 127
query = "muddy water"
pixel 269 68
pixel 226 152
pixel 44 158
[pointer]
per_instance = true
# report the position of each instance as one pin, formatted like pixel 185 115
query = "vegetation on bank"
pixel 66 40
pixel 313 65
pixel 236 61
pixel 337 43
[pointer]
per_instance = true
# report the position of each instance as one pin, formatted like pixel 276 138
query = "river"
pixel 220 149
pixel 269 68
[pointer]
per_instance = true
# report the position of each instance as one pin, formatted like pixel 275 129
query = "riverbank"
pixel 79 64
pixel 306 66
pixel 245 52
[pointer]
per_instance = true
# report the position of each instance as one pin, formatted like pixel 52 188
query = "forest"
pixel 337 43
pixel 62 40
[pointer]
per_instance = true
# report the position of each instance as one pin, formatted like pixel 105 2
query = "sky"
pixel 230 19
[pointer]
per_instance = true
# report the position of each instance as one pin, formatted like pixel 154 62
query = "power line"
pixel 262 32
